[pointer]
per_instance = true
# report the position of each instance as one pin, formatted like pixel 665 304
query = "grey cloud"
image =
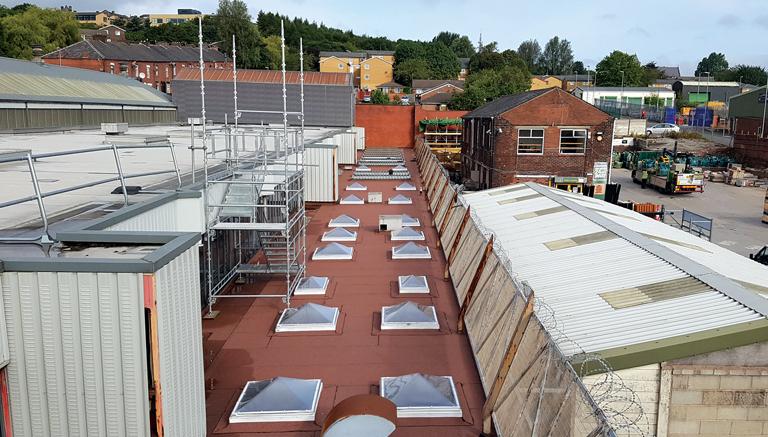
pixel 638 31
pixel 729 20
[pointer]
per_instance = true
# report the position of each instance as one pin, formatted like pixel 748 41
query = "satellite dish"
pixel 142 75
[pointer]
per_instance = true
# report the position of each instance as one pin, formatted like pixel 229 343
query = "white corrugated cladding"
pixel 78 359
pixel 181 349
pixel 321 173
pixel 570 279
pixel 5 355
pixel 360 137
pixel 178 215
pixel 347 149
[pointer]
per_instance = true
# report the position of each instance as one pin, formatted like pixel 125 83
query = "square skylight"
pixel 312 285
pixel 357 186
pixel 344 221
pixel 411 251
pixel 333 251
pixel 351 200
pixel 308 317
pixel 412 284
pixel 407 234
pixel 405 186
pixel 278 400
pixel 412 222
pixel 400 200
pixel 409 315
pixel 339 234
pixel 420 395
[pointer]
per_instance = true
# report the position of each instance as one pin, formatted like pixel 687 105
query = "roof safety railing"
pixel 121 177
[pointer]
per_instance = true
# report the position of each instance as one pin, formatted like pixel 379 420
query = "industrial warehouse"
pixel 261 254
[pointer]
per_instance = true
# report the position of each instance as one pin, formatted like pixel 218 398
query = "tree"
pixel 530 52
pixel 28 26
pixel 714 63
pixel 463 47
pixel 407 49
pixel 233 18
pixel 652 73
pixel 751 74
pixel 443 63
pixel 557 56
pixel 489 84
pixel 578 68
pixel 379 97
pixel 487 58
pixel 608 71
pixel 410 69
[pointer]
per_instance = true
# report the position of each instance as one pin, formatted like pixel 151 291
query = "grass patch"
pixel 685 135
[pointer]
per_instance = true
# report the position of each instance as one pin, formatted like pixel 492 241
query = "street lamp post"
pixel 706 102
pixel 765 105
pixel 621 94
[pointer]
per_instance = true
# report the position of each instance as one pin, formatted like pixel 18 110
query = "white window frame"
pixel 367 77
pixel 574 129
pixel 341 66
pixel 531 129
pixel 367 66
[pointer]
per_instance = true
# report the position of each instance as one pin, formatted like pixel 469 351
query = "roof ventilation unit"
pixel 278 400
pixel 407 234
pixel 344 221
pixel 405 186
pixel 312 285
pixel 400 200
pixel 351 200
pixel 308 317
pixel 333 251
pixel 409 251
pixel 357 186
pixel 411 222
pixel 339 234
pixel 409 315
pixel 419 395
pixel 412 284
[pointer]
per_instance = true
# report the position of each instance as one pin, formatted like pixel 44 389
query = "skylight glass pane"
pixel 420 395
pixel 409 315
pixel 407 234
pixel 277 400
pixel 333 251
pixel 400 200
pixel 339 234
pixel 344 221
pixel 357 186
pixel 406 186
pixel 411 251
pixel 413 284
pixel 351 200
pixel 312 285
pixel 411 221
pixel 308 317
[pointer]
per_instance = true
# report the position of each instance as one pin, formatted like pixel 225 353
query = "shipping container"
pixel 360 137
pixel 104 335
pixel 347 153
pixel 321 173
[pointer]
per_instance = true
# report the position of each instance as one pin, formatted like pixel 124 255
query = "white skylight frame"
pixel 337 222
pixel 362 167
pixel 329 235
pixel 303 290
pixel 433 324
pixel 306 327
pixel 400 200
pixel 351 200
pixel 403 288
pixel 403 234
pixel 357 186
pixel 277 415
pixel 420 411
pixel 317 255
pixel 399 167
pixel 405 186
pixel 396 249
pixel 411 222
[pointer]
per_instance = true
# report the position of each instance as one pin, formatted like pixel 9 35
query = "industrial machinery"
pixel 661 171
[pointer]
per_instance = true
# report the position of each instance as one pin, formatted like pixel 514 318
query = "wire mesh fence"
pixel 657 113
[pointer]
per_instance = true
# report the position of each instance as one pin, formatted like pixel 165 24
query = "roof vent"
pixel 333 251
pixel 357 186
pixel 411 221
pixel 406 186
pixel 312 285
pixel 344 221
pixel 400 200
pixel 308 317
pixel 410 251
pixel 409 315
pixel 351 200
pixel 419 395
pixel 278 400
pixel 412 284
pixel 339 234
pixel 407 234
pixel 369 415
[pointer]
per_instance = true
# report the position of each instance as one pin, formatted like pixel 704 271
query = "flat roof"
pixel 243 346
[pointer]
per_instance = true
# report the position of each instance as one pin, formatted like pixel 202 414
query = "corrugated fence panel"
pixel 466 260
pixel 452 229
pixel 360 137
pixel 321 174
pixel 347 152
pixel 181 349
pixel 440 186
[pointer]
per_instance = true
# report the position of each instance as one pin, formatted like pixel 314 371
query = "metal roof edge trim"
pixel 681 346
pixel 704 274
pixel 131 211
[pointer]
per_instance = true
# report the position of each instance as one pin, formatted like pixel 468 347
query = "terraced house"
pixel 370 69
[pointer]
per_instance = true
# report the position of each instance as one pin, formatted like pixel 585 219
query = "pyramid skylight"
pixel 363 168
pixel 412 284
pixel 277 400
pixel 339 234
pixel 357 186
pixel 399 168
pixel 420 395
pixel 407 234
pixel 400 200
pixel 333 251
pixel 312 285
pixel 409 315
pixel 406 186
pixel 410 251
pixel 351 200
pixel 308 317
pixel 409 221
pixel 344 221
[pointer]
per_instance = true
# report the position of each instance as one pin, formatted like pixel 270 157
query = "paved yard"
pixel 736 212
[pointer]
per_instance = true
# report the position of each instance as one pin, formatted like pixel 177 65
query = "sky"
pixel 668 32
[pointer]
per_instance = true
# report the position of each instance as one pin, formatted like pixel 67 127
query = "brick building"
pixel 154 64
pixel 547 136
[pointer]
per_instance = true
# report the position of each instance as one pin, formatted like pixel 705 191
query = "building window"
pixel 530 141
pixel 367 77
pixel 367 66
pixel 117 33
pixel 573 141
pixel 341 66
pixel 159 21
pixel 149 74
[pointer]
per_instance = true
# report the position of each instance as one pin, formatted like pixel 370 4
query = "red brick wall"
pixel 87 64
pixel 386 125
pixel 751 150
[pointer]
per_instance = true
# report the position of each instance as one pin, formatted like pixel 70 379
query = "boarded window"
pixel 573 141
pixel 530 141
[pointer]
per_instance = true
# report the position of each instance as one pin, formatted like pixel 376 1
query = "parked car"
pixel 662 129
pixel 367 99
pixel 405 100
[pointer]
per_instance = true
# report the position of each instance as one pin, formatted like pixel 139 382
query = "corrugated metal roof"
pixel 266 76
pixel 30 81
pixel 135 52
pixel 505 103
pixel 711 84
pixel 611 292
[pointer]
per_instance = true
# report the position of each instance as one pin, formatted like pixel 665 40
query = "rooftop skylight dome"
pixel 308 317
pixel 344 221
pixel 409 315
pixel 333 251
pixel 412 284
pixel 400 200
pixel 407 234
pixel 339 234
pixel 411 251
pixel 356 186
pixel 351 200
pixel 312 285
pixel 409 221
pixel 399 168
pixel 420 395
pixel 363 168
pixel 405 186
pixel 278 400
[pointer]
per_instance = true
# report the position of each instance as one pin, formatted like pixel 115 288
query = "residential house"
pixel 631 95
pixel 375 71
pixel 369 68
pixel 391 88
pixel 543 82
pixel 100 18
pixel 547 136
pixel 573 81
pixel 464 71
pixel 433 94
pixel 670 72
pixel 181 16
pixel 110 33
pixel 154 64
pixel 700 91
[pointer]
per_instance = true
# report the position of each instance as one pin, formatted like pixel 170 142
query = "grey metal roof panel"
pixel 505 103
pixel 343 54
pixel 135 52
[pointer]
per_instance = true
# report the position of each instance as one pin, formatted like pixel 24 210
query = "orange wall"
pixel 394 126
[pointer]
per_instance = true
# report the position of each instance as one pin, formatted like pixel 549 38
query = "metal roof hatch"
pixel 411 250
pixel 308 317
pixel 400 200
pixel 412 284
pixel 409 315
pixel 333 251
pixel 312 285
pixel 344 221
pixel 278 400
pixel 420 395
pixel 407 234
pixel 339 234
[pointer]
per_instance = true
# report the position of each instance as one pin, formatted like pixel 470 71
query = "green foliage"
pixel 530 52
pixel 414 68
pixel 26 26
pixel 460 45
pixel 578 68
pixel 443 63
pixel 408 49
pixel 751 74
pixel 608 70
pixel 651 73
pixel 486 85
pixel 557 57
pixel 714 63
pixel 232 18
pixel 379 97
pixel 139 30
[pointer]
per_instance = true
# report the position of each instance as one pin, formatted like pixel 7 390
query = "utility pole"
pixel 765 105
pixel 706 103
pixel 621 94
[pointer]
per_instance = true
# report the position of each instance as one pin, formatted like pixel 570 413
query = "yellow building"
pixel 374 72
pixel 181 16
pixel 99 18
pixel 542 82
pixel 369 69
